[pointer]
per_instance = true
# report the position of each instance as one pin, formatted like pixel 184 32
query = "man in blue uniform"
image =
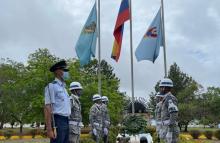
pixel 57 105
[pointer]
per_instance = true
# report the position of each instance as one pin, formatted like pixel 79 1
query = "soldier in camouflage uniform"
pixel 169 113
pixel 106 118
pixel 75 119
pixel 159 98
pixel 96 118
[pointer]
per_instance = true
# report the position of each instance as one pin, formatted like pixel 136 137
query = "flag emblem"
pixel 90 28
pixel 152 33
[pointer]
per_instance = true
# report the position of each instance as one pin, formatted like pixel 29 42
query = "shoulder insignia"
pixel 54 82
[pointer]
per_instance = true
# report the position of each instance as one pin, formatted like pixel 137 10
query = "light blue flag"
pixel 86 44
pixel 149 47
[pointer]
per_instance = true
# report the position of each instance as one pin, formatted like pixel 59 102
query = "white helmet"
pixel 166 82
pixel 159 94
pixel 75 85
pixel 96 97
pixel 104 99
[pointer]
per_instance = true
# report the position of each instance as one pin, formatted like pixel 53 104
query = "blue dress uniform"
pixel 57 96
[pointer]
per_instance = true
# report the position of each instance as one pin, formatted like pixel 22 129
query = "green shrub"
pixel 8 134
pixel 155 137
pixel 1 133
pixel 87 140
pixel 134 124
pixel 150 129
pixel 195 134
pixel 217 134
pixel 43 133
pixel 34 132
pixel 208 134
pixel 183 139
pixel 113 133
pixel 85 130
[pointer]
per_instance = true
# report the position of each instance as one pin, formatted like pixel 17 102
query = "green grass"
pixel 199 141
pixel 16 131
pixel 191 141
pixel 27 130
pixel 26 141
pixel 203 129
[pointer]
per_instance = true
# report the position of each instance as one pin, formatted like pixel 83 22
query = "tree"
pixel 209 106
pixel 22 87
pixel 152 103
pixel 187 105
pixel 185 89
pixel 13 92
pixel 38 76
pixel 180 79
pixel 9 75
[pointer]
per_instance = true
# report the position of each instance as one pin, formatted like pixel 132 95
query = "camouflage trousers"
pixel 169 134
pixel 98 137
pixel 158 128
pixel 105 138
pixel 74 138
pixel 74 134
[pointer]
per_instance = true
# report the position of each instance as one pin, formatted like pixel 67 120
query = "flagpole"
pixel 131 53
pixel 164 40
pixel 99 52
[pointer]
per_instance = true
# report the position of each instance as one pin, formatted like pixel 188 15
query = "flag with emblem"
pixel 149 47
pixel 86 44
pixel 123 16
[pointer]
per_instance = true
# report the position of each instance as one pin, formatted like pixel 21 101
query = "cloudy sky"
pixel 192 35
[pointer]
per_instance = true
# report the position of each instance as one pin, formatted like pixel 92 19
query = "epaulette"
pixel 54 82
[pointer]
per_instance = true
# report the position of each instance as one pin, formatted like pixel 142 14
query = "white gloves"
pixel 107 123
pixel 94 131
pixel 81 125
pixel 105 131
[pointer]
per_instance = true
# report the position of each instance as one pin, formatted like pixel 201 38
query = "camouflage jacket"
pixel 75 109
pixel 169 109
pixel 96 116
pixel 158 111
pixel 106 117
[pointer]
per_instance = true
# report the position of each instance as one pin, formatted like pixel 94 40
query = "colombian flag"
pixel 123 16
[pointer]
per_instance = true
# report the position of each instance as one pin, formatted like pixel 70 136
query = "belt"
pixel 76 123
pixel 60 116
pixel 107 122
pixel 97 124
pixel 159 122
pixel 166 122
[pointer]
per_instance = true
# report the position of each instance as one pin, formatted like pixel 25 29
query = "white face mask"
pixel 65 75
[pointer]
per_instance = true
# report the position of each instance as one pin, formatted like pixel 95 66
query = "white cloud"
pixel 192 35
